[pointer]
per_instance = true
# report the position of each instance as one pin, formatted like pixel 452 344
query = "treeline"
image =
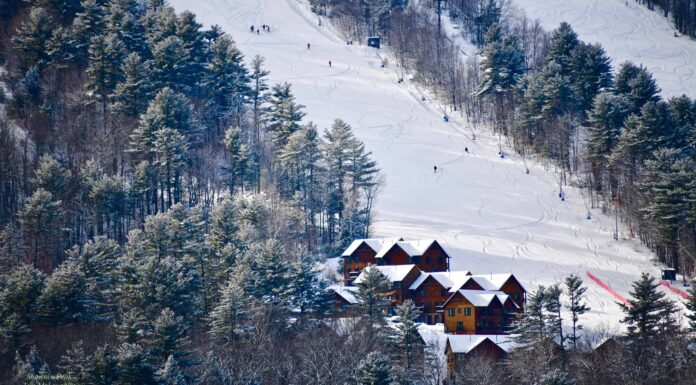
pixel 683 13
pixel 158 198
pixel 552 95
pixel 116 110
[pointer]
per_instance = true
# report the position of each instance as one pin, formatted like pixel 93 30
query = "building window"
pixel 443 292
pixel 460 325
pixel 467 311
pixel 517 296
pixel 397 285
pixel 427 260
pixel 451 312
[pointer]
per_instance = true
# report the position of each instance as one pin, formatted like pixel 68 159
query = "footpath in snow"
pixel 490 214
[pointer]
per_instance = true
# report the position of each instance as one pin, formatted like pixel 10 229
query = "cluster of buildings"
pixel 475 310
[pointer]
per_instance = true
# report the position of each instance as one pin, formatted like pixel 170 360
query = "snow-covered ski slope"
pixel 627 31
pixel 490 214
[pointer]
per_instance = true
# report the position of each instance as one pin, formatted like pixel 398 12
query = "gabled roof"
pixel 412 248
pixel 494 281
pixel 465 343
pixel 375 244
pixel 480 298
pixel 345 292
pixel 395 273
pixel 448 279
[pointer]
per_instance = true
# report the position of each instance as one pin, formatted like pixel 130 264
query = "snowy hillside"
pixel 627 31
pixel 492 216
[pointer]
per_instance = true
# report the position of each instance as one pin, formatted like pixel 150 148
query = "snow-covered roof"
pixel 481 298
pixel 412 248
pixel 493 281
pixel 395 273
pixel 375 244
pixel 465 343
pixel 346 292
pixel 448 279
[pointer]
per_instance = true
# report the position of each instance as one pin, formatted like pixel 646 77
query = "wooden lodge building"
pixel 428 255
pixel 419 270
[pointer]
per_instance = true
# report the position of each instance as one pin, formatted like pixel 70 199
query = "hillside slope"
pixel 491 214
pixel 627 31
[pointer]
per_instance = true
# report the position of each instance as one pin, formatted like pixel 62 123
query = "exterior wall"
pixel 468 322
pixel 341 307
pixel 486 349
pixel 357 261
pixel 400 291
pixel 471 285
pixel 492 319
pixel 430 296
pixel 515 291
pixel 434 259
pixel 395 256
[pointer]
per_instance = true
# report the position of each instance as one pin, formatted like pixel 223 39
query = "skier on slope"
pixel 252 29
pixel 446 118
pixel 434 169
pixel 466 149
pixel 329 63
pixel 308 45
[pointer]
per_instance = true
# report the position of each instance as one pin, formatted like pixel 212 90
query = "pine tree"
pixel 63 297
pixel 123 19
pixel 171 374
pixel 553 307
pixel 132 94
pixel 405 337
pixel 28 366
pixel 32 37
pixel 648 314
pixel 51 176
pixel 238 158
pixel 691 306
pixel 307 292
pixel 169 338
pixel 18 292
pixel 591 73
pixel 88 23
pixel 40 222
pixel 104 366
pixel 561 46
pixel 637 84
pixel 374 369
pixel 370 295
pixel 106 54
pixel 257 94
pixel 227 82
pixel 170 62
pixel 268 280
pixel 227 319
pixel 133 366
pixel 530 328
pixel 577 306
pixel 12 331
pixel 284 115
pixel 77 364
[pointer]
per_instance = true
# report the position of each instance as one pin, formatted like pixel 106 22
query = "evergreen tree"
pixel 51 176
pixel 307 292
pixel 40 222
pixel 552 307
pixel 227 319
pixel 268 278
pixel 370 295
pixel 123 19
pixel 63 297
pixel 238 158
pixel 132 94
pixel 530 328
pixel 171 374
pixel 227 82
pixel 32 37
pixel 169 338
pixel 648 314
pixel 170 63
pixel 284 115
pixel 77 364
pixel 405 337
pixel 29 366
pixel 577 306
pixel 18 292
pixel 106 54
pixel 561 46
pixel 591 71
pixel 133 366
pixel 87 24
pixel 374 369
pixel 691 306
pixel 104 366
pixel 637 84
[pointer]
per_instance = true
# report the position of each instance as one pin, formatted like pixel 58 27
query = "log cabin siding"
pixel 361 257
pixel 434 259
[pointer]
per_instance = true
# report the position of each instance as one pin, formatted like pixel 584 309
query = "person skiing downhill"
pixel 434 169
pixel 252 29
pixel 329 63
pixel 308 45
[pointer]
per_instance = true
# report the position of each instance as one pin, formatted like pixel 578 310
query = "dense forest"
pixel 156 191
pixel 604 127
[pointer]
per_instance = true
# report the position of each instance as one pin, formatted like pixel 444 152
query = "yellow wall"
pixel 459 304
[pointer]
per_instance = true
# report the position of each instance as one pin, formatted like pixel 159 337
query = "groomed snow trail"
pixel 490 214
pixel 627 31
